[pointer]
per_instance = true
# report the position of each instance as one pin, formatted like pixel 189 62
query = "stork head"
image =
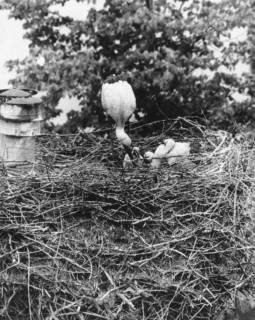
pixel 148 155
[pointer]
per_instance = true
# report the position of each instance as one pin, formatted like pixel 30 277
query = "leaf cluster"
pixel 157 47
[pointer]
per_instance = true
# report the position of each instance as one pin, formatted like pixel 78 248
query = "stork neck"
pixel 122 136
pixel 120 130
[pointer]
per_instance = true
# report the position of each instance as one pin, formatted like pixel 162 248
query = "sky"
pixel 13 46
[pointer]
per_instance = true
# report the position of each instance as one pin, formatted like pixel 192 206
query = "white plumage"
pixel 118 101
pixel 160 153
pixel 157 156
pixel 148 155
pixel 172 151
pixel 169 145
pixel 179 152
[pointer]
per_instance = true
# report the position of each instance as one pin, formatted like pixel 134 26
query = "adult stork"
pixel 118 101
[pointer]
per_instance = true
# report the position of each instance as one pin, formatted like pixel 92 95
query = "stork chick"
pixel 118 101
pixel 179 152
pixel 160 153
pixel 148 156
pixel 156 157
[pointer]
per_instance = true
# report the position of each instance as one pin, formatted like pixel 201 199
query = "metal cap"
pixel 17 93
pixel 24 101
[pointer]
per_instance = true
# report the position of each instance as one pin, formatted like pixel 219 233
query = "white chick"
pixel 148 155
pixel 156 157
pixel 160 153
pixel 169 145
pixel 178 153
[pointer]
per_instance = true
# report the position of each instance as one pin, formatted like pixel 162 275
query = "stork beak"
pixel 136 153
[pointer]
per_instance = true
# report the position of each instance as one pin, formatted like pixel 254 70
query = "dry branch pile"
pixel 84 239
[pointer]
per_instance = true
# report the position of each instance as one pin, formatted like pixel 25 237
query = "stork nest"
pixel 83 238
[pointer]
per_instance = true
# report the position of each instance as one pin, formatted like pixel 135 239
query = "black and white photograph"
pixel 127 160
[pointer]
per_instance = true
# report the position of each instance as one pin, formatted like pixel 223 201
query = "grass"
pixel 81 238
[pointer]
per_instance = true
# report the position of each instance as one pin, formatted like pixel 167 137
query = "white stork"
pixel 118 101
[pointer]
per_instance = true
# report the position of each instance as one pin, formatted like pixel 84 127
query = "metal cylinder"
pixel 21 119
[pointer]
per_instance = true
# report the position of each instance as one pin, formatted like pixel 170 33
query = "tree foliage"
pixel 158 46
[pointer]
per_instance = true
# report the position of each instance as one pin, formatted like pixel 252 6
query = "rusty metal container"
pixel 17 150
pixel 21 120
pixel 22 110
